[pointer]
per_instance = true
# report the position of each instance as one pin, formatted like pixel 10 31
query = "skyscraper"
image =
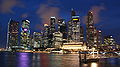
pixel 95 37
pixel 90 30
pixel 57 39
pixel 75 28
pixel 52 30
pixel 52 24
pixel 46 34
pixel 37 39
pixel 25 33
pixel 69 36
pixel 99 38
pixel 81 34
pixel 13 30
pixel 62 27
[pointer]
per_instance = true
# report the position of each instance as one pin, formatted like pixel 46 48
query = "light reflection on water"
pixel 93 64
pixel 23 59
pixel 8 59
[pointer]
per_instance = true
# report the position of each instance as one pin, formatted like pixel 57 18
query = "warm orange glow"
pixel 94 65
pixel 45 24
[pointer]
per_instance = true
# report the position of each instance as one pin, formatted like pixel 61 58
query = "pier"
pixel 87 57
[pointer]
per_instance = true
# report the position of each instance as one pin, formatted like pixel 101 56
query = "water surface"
pixel 17 59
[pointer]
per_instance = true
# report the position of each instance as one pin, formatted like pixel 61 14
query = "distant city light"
pixel 94 65
pixel 75 19
pixel 45 24
pixel 52 17
pixel 25 29
pixel 91 12
pixel 60 34
pixel 100 31
pixel 75 16
pixel 27 20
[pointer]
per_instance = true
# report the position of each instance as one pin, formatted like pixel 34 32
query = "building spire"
pixel 73 13
pixel 72 9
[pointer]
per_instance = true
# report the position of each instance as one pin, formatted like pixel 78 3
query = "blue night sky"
pixel 106 14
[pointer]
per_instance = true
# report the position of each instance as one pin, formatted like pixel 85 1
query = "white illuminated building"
pixel 74 46
pixel 57 39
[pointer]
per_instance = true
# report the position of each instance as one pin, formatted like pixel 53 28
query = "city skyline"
pixel 57 34
pixel 102 9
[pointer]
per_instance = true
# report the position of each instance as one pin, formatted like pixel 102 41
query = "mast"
pixel 8 35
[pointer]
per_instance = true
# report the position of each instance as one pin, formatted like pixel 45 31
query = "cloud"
pixel 6 6
pixel 45 11
pixel 25 15
pixel 39 27
pixel 96 14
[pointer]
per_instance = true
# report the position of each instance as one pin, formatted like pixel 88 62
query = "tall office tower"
pixel 95 37
pixel 37 39
pixel 109 41
pixel 25 33
pixel 81 35
pixel 46 36
pixel 70 23
pixel 52 30
pixel 69 36
pixel 31 43
pixel 57 39
pixel 62 28
pixel 90 30
pixel 13 30
pixel 52 24
pixel 75 28
pixel 99 38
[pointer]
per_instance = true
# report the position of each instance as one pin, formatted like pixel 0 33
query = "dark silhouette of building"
pixel 52 30
pixel 46 36
pixel 90 30
pixel 62 27
pixel 13 30
pixel 81 34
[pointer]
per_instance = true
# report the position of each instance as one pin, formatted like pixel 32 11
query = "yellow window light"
pixel 75 19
